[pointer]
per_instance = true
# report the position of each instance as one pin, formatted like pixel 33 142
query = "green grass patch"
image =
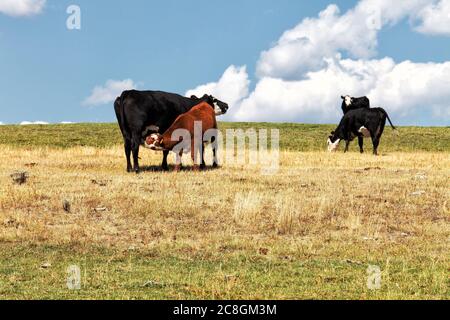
pixel 293 137
pixel 110 274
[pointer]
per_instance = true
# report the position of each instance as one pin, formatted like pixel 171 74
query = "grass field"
pixel 309 232
pixel 293 137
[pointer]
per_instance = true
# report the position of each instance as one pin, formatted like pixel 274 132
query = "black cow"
pixel 141 113
pixel 350 103
pixel 361 123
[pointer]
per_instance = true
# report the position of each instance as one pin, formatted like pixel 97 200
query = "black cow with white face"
pixel 361 123
pixel 350 103
pixel 141 113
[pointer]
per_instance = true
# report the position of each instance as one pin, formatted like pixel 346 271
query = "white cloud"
pixel 408 85
pixel 67 122
pixel 1 123
pixel 303 48
pixel 109 92
pixel 435 19
pixel 303 76
pixel 232 86
pixel 17 8
pixel 403 89
pixel 27 123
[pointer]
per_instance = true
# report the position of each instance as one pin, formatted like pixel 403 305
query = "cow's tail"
pixel 389 119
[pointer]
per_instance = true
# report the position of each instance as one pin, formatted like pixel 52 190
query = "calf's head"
pixel 154 142
pixel 333 142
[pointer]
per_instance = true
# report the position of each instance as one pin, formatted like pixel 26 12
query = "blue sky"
pixel 48 71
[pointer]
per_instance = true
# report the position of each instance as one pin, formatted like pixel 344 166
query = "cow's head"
pixel 333 142
pixel 220 107
pixel 347 100
pixel 154 142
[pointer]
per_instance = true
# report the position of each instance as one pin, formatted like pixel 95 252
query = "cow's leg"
pixel 376 133
pixel 135 144
pixel 376 142
pixel 347 144
pixel 361 144
pixel 127 145
pixel 164 165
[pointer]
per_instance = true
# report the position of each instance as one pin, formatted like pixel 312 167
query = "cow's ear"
pixel 332 132
pixel 342 97
pixel 194 97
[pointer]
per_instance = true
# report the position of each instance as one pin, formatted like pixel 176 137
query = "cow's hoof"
pixel 177 168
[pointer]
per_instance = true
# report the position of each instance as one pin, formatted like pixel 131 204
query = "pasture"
pixel 309 232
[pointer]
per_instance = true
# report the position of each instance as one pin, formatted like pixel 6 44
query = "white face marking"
pixel 332 147
pixel 217 109
pixel 148 146
pixel 153 146
pixel 365 132
pixel 348 100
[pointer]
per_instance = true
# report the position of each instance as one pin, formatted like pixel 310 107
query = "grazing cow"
pixel 141 113
pixel 361 123
pixel 350 103
pixel 202 114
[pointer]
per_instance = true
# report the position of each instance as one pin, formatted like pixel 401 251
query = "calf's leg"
pixel 193 151
pixel 215 162
pixel 179 164
pixel 214 146
pixel 202 153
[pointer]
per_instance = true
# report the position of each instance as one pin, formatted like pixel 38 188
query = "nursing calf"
pixel 184 135
pixel 361 123
pixel 140 113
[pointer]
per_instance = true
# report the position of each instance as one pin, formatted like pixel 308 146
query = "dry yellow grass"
pixel 352 209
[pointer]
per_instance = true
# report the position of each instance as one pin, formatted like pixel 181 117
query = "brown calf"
pixel 202 113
